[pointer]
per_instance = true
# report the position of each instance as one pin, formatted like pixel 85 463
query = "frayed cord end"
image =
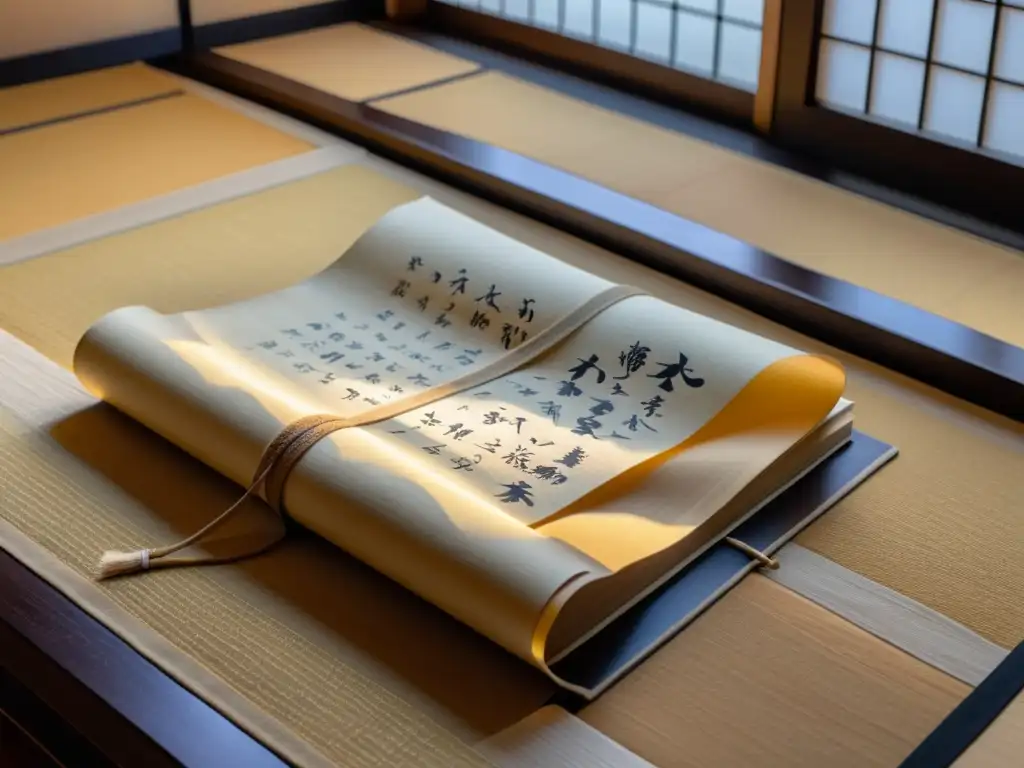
pixel 114 563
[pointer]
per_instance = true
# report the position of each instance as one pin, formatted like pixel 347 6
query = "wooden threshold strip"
pixel 72 684
pixel 939 352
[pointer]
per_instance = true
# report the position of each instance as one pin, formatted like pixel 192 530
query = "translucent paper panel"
pixel 843 75
pixel 708 6
pixel 1004 124
pixel 1010 53
pixel 654 32
pixel 898 89
pixel 954 104
pixel 904 26
pixel 744 10
pixel 579 18
pixel 490 6
pixel 695 43
pixel 963 33
pixel 545 13
pixel 517 10
pixel 615 19
pixel 850 19
pixel 740 56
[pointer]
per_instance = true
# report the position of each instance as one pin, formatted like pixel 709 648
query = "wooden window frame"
pixel 970 182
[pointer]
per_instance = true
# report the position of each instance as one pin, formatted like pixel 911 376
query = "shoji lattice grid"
pixel 950 69
pixel 716 39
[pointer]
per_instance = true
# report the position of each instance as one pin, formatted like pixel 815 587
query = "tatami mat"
pixel 798 218
pixel 261 626
pixel 767 678
pixel 72 169
pixel 349 60
pixel 942 524
pixel 35 103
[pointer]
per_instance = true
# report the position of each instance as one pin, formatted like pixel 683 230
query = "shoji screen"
pixel 952 70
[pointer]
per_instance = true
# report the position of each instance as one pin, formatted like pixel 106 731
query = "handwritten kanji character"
pixel 395 388
pixel 354 345
pixel 385 315
pixel 318 326
pixel 376 357
pixel 463 463
pixel 578 371
pixel 337 336
pixel 464 360
pixel 618 390
pixel 633 359
pixel 332 357
pixel 479 320
pixel 573 458
pixel 457 431
pixel 392 367
pixel 436 277
pixel 437 367
pixel 585 425
pixel 430 421
pixel 371 400
pixel 493 417
pixel 519 423
pixel 443 320
pixel 313 346
pixel 267 344
pixel 525 313
pixel 489 297
pixel 328 378
pixel 568 389
pixel 615 436
pixel 293 332
pixel 509 334
pixel 373 378
pixel 381 337
pixel 398 326
pixel 419 380
pixel 444 345
pixel 602 406
pixel 352 394
pixel 422 336
pixel 517 491
pixel 634 422
pixel 286 353
pixel 340 315
pixel 303 367
pixel 490 447
pixel 414 262
pixel 354 366
pixel 552 409
pixel 458 285
pixel 519 457
pixel 417 356
pixel 540 444
pixel 422 303
pixel 670 370
pixel 400 289
pixel 653 405
pixel 362 326
pixel 433 449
